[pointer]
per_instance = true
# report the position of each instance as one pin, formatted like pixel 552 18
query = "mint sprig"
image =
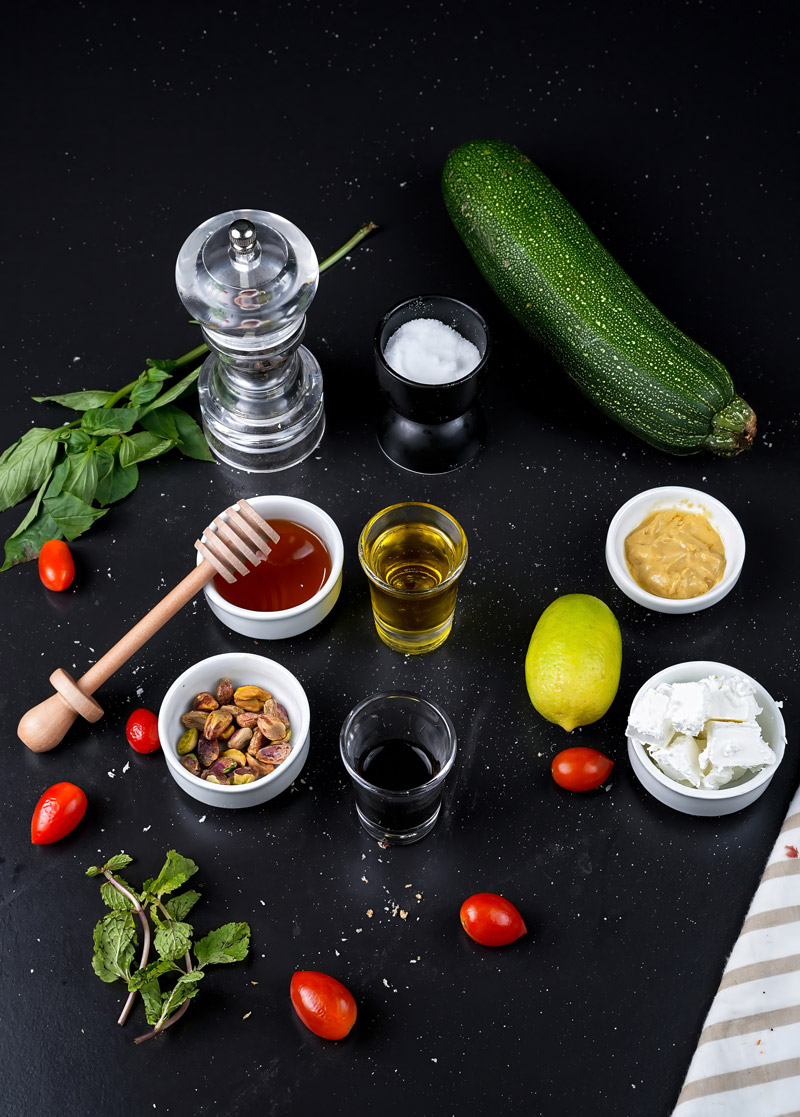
pixel 115 940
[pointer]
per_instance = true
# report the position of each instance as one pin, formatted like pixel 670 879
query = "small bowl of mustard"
pixel 675 550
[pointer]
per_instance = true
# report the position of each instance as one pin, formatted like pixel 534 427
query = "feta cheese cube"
pixel 687 707
pixel 679 759
pixel 730 699
pixel 731 744
pixel 648 723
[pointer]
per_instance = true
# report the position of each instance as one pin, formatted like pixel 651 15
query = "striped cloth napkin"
pixel 747 1062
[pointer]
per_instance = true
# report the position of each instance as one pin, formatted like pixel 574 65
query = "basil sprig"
pixel 76 471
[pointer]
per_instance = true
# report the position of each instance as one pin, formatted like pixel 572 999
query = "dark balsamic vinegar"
pixel 397 765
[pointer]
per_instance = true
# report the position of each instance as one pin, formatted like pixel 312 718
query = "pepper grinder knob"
pixel 242 235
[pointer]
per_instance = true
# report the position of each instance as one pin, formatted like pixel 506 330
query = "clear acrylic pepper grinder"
pixel 248 276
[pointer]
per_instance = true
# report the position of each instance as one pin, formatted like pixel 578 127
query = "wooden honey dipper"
pixel 243 536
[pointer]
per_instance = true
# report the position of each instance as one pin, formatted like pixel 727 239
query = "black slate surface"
pixel 672 129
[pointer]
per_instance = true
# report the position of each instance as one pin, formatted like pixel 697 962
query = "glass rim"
pixel 415 594
pixel 386 792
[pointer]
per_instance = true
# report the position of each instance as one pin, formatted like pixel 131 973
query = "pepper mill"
pixel 248 276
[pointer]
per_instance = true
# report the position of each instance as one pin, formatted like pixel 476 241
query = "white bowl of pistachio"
pixel 234 729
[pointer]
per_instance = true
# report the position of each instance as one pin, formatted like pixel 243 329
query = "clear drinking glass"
pixel 413 555
pixel 389 743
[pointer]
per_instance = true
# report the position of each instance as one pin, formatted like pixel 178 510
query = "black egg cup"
pixel 432 428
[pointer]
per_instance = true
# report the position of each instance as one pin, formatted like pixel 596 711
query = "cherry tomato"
pixel 142 731
pixel 324 1005
pixel 56 567
pixel 581 769
pixel 491 920
pixel 57 813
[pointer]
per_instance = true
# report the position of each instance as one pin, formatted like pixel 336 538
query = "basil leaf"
pixel 24 466
pixel 78 401
pixel 228 943
pixel 111 420
pixel 80 475
pixel 147 387
pixel 117 484
pixel 29 538
pixel 154 365
pixel 180 906
pixel 172 422
pixel 175 872
pixel 77 441
pixel 173 392
pixel 150 972
pixel 142 446
pixel 114 945
pixel 71 515
pixel 172 940
pixel 184 989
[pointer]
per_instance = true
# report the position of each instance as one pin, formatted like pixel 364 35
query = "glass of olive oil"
pixel 413 555
pixel 398 749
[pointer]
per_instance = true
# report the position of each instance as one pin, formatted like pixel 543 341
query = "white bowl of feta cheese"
pixel 705 738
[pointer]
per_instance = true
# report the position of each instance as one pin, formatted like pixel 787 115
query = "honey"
pixel 296 568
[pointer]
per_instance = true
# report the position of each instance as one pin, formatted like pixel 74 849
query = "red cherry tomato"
pixel 56 567
pixel 142 731
pixel 57 813
pixel 491 920
pixel 581 769
pixel 324 1005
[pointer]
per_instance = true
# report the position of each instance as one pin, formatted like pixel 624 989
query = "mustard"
pixel 675 554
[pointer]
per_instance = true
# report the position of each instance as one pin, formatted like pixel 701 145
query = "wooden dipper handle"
pixel 43 726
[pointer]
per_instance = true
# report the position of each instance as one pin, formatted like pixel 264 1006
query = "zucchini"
pixel 552 273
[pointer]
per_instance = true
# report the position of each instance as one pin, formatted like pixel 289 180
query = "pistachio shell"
pixel 205 701
pixel 234 754
pixel 187 742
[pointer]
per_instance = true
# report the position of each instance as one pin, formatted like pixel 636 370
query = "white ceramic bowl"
pixel 734 796
pixel 282 623
pixel 638 508
pixel 243 669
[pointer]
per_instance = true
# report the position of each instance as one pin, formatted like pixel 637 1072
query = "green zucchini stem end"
pixel 733 429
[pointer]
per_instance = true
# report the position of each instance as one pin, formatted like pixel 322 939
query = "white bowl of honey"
pixel 675 550
pixel 298 584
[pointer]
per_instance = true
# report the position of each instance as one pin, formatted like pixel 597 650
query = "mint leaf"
pixel 152 1000
pixel 228 943
pixel 109 420
pixel 172 940
pixel 151 972
pixel 173 392
pixel 114 945
pixel 25 465
pixel 113 898
pixel 117 484
pixel 72 516
pixel 94 871
pixel 117 862
pixel 175 872
pixel 142 446
pixel 180 906
pixel 78 401
pixel 172 422
pixel 184 989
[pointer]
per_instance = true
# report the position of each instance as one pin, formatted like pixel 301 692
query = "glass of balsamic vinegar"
pixel 398 749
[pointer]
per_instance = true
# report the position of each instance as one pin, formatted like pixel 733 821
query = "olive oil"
pixel 414 588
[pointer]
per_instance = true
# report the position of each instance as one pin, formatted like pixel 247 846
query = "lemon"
pixel 574 659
